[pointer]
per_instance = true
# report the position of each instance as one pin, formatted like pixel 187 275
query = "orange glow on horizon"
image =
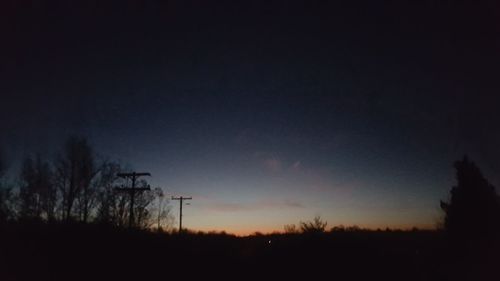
pixel 266 231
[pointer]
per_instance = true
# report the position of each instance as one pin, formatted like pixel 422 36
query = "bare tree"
pixel 6 203
pixel 143 215
pixel 87 172
pixel 75 170
pixel 113 207
pixel 46 190
pixel 164 217
pixel 106 197
pixel 37 195
pixel 2 164
pixel 6 195
pixel 28 191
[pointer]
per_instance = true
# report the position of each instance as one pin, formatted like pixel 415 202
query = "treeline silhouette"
pixel 63 220
pixel 76 187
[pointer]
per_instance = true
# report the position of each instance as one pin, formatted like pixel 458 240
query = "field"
pixel 90 252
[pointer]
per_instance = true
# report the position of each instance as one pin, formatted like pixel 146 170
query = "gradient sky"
pixel 266 112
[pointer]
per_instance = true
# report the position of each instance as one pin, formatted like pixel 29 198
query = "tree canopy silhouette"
pixel 473 209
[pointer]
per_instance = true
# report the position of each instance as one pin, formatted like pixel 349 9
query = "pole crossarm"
pixel 133 174
pixel 128 189
pixel 182 198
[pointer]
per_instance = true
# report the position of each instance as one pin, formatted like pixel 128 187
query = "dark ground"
pixel 90 252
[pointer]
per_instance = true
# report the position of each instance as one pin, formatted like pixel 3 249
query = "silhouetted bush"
pixel 291 229
pixel 315 226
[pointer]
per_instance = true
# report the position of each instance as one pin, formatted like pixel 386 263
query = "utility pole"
pixel 181 199
pixel 132 191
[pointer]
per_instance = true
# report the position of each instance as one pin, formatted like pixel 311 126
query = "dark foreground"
pixel 89 252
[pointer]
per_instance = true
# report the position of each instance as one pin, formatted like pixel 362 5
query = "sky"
pixel 266 112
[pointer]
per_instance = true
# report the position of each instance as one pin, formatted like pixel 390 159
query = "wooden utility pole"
pixel 181 199
pixel 132 191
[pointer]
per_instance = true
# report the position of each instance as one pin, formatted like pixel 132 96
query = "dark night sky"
pixel 268 112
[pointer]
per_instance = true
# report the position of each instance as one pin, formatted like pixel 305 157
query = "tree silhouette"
pixel 142 214
pixel 6 196
pixel 473 209
pixel 164 218
pixel 75 186
pixel 75 170
pixel 37 194
pixel 28 205
pixel 111 207
pixel 315 226
pixel 106 197
pixel 2 164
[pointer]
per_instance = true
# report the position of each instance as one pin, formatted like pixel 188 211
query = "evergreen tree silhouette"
pixel 473 210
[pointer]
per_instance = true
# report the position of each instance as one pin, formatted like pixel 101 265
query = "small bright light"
pixel 269 241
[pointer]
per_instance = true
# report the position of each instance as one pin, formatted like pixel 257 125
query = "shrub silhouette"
pixel 291 229
pixel 315 226
pixel 473 209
